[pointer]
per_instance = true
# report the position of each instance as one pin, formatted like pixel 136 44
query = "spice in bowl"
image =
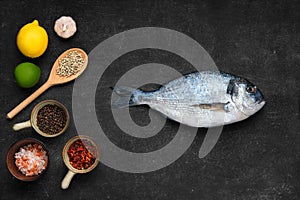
pixel 51 119
pixel 71 64
pixel 31 159
pixel 81 154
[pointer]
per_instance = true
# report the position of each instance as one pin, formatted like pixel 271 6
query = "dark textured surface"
pixel 258 158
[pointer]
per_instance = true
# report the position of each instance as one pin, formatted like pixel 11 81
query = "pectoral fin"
pixel 214 106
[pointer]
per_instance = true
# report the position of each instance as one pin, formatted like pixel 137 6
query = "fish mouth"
pixel 259 105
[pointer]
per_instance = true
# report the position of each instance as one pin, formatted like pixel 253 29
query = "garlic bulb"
pixel 65 27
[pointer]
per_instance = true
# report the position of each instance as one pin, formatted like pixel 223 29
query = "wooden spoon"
pixel 54 79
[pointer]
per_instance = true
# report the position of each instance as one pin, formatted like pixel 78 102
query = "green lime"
pixel 27 74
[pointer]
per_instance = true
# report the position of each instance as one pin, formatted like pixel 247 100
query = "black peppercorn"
pixel 51 119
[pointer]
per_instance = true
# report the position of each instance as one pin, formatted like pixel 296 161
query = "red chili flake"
pixel 81 154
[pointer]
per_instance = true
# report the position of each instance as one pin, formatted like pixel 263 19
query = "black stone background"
pixel 258 158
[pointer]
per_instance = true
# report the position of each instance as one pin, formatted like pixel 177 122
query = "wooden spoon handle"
pixel 67 180
pixel 27 101
pixel 22 125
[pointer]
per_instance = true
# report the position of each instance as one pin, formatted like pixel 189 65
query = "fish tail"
pixel 127 96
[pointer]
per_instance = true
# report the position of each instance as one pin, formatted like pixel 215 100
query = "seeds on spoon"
pixel 70 65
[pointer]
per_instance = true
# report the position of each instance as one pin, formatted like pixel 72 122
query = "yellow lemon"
pixel 32 40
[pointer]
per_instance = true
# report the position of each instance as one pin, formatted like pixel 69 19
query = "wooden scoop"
pixel 54 79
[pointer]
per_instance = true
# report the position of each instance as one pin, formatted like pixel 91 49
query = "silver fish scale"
pixel 185 93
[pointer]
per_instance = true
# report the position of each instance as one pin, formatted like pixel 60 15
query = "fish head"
pixel 246 96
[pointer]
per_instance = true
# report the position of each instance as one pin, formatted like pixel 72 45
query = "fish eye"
pixel 251 89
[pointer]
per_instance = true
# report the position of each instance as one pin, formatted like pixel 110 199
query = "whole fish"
pixel 200 99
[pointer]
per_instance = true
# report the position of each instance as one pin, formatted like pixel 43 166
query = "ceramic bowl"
pixel 10 159
pixel 33 119
pixel 72 171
